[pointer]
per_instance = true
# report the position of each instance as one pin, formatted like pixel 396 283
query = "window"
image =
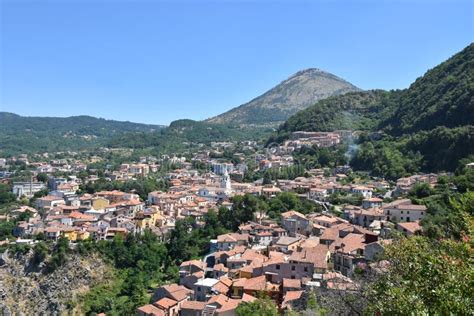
pixel 401 218
pixel 293 277
pixel 293 268
pixel 421 213
pixel 305 269
pixel 401 212
pixel 278 267
pixel 199 289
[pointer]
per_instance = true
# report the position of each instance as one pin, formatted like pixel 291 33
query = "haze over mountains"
pixel 296 93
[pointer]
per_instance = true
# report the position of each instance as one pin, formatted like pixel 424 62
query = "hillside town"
pixel 285 256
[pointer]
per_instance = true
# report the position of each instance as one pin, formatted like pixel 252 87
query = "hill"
pixel 185 132
pixel 39 134
pixel 426 127
pixel 444 96
pixel 353 111
pixel 290 96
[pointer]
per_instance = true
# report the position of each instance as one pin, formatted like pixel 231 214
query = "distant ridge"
pixel 20 133
pixel 296 93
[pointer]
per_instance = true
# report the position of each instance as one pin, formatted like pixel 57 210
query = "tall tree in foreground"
pixel 426 277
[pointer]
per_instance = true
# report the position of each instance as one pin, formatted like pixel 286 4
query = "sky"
pixel 158 61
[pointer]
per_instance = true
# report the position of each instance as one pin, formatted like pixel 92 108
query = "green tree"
pixel 6 195
pixel 40 252
pixel 425 277
pixel 260 307
pixel 421 190
pixel 42 177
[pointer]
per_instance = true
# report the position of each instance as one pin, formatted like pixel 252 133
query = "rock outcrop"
pixel 26 289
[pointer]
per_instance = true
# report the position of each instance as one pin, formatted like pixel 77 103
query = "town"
pixel 279 252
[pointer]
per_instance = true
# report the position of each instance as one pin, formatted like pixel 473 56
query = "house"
pixel 366 192
pixel 48 202
pixel 318 194
pixel 263 238
pixel 219 270
pixel 350 253
pixel 52 232
pixel 287 244
pixel 372 203
pixel 404 211
pixel 221 305
pixel 326 221
pixel 295 223
pixel 270 192
pixel 409 228
pixel 316 257
pixel 255 287
pixel 176 292
pixel 191 266
pixel 149 310
pixel 192 308
pixel 231 240
pixel 291 285
pixel 203 289
pixel 168 305
pixel 365 217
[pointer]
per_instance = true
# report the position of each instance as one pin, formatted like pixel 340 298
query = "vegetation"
pixel 6 195
pixel 427 127
pixel 442 97
pixel 425 277
pixel 441 149
pixel 261 307
pixel 47 134
pixel 314 157
pixel 140 262
pixel 187 241
pixel 58 256
pixel 184 133
pixel 353 111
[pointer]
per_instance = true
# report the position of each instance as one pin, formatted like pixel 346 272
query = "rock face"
pixel 301 90
pixel 27 290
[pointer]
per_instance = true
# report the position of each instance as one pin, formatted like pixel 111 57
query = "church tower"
pixel 225 182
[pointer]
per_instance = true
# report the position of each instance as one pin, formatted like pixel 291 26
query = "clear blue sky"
pixel 154 62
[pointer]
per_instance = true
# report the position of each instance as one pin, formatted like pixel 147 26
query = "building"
pixel 404 211
pixel 27 189
pixel 295 223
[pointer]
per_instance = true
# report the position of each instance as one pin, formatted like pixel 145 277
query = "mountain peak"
pixel 302 89
pixel 309 71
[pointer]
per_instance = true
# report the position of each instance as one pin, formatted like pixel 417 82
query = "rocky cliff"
pixel 26 289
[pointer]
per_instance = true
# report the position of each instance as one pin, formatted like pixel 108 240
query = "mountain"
pixel 444 96
pixel 21 134
pixel 353 111
pixel 426 127
pixel 295 93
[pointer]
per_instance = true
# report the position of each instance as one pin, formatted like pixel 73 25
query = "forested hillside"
pixel 181 133
pixel 444 96
pixel 355 111
pixel 39 134
pixel 426 127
